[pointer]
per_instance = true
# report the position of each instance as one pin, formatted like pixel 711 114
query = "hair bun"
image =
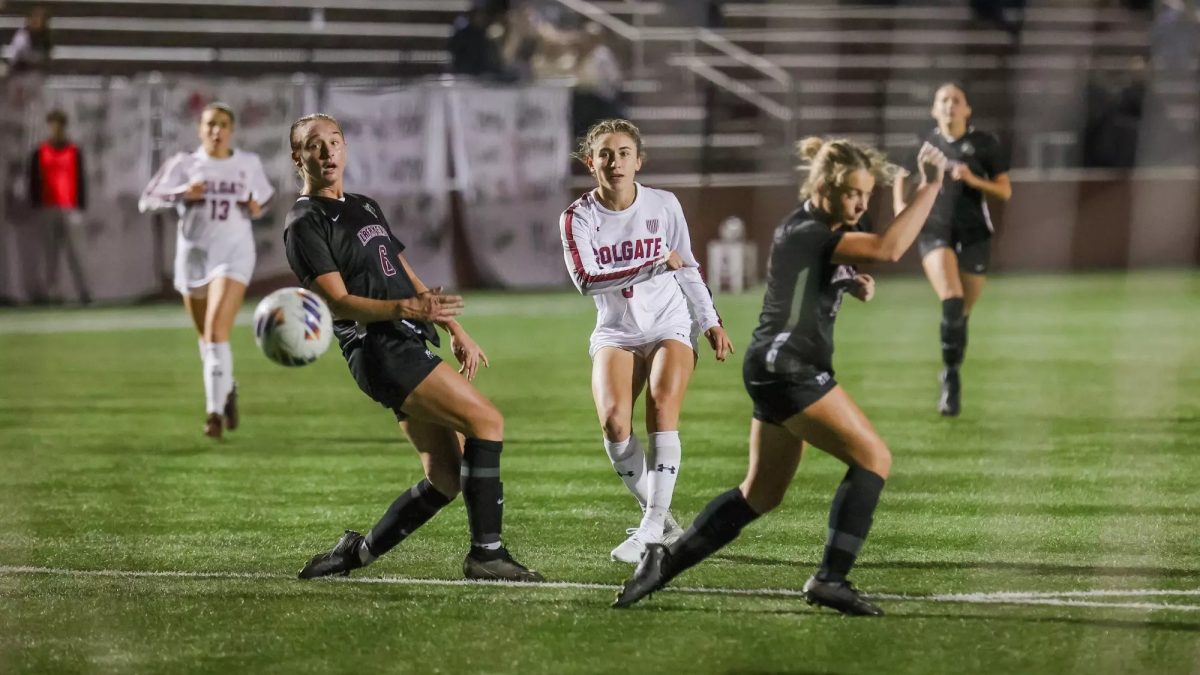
pixel 808 148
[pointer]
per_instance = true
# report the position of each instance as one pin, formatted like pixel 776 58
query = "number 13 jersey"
pixel 214 237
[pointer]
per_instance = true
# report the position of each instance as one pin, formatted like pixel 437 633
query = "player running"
pixel 956 244
pixel 340 246
pixel 788 372
pixel 627 246
pixel 216 190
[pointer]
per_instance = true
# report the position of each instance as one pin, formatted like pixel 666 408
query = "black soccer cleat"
pixel 497 565
pixel 231 409
pixel 647 578
pixel 839 595
pixel 950 404
pixel 340 560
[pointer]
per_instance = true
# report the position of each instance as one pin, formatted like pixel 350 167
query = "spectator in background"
pixel 472 50
pixel 597 80
pixel 57 194
pixel 30 46
pixel 525 34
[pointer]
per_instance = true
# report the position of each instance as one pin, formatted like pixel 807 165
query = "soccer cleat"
pixel 839 595
pixel 231 409
pixel 339 560
pixel 214 426
pixel 631 550
pixel 498 566
pixel 950 404
pixel 649 576
pixel 671 530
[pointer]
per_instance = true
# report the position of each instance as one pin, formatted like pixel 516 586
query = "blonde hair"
pixel 609 126
pixel 830 161
pixel 295 142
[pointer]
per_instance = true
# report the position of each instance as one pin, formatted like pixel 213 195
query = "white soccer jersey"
pixel 214 237
pixel 618 258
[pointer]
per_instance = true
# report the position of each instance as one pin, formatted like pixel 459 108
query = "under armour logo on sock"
pixel 626 474
pixel 664 467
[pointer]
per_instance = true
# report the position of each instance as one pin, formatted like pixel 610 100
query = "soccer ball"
pixel 293 326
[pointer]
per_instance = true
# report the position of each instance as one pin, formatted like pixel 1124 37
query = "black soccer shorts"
pixel 388 365
pixel 780 396
pixel 973 258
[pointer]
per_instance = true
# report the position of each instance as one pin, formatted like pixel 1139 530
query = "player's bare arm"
pixel 468 352
pixel 999 187
pixel 719 340
pixel 864 287
pixel 856 247
pixel 434 307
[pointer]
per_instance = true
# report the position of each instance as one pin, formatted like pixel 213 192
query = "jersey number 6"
pixel 385 261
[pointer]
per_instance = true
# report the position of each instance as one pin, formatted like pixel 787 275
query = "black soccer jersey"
pixel 959 206
pixel 351 236
pixel 804 293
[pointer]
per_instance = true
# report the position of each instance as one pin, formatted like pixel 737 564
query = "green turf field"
pixel 1052 528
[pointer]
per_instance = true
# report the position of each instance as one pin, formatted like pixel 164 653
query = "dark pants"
pixel 44 241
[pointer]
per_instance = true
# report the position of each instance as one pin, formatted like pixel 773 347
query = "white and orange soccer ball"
pixel 293 326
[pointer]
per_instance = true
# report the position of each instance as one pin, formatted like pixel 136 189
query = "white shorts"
pixel 197 265
pixel 643 346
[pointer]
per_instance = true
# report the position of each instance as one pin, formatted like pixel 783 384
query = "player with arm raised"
pixel 788 372
pixel 628 247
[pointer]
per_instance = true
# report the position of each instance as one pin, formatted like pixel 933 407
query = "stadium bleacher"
pixel 778 70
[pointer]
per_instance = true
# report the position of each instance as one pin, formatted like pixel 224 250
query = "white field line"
pixel 1045 598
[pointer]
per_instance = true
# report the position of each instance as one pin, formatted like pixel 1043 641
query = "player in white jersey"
pixel 216 190
pixel 628 247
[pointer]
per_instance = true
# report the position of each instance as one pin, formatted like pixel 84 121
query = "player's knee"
pixel 616 425
pixel 878 461
pixel 444 475
pixel 485 422
pixel 763 498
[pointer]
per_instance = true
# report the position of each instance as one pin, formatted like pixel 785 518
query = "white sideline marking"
pixel 1048 598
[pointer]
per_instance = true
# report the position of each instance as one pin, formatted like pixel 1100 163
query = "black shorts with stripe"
pixel 389 364
pixel 780 396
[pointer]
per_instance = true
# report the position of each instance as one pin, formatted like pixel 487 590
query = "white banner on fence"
pixel 264 109
pixel 511 155
pixel 114 247
pixel 396 141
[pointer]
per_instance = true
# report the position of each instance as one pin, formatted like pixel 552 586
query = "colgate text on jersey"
pixel 630 250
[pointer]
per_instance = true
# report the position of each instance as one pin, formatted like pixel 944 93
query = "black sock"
pixel 954 332
pixel 411 510
pixel 849 521
pixel 718 524
pixel 483 493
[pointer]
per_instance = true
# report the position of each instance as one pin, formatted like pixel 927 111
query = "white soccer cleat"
pixel 671 530
pixel 631 550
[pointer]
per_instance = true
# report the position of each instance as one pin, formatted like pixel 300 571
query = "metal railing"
pixel 693 38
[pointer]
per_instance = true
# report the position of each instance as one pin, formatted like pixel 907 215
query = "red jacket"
pixel 56 178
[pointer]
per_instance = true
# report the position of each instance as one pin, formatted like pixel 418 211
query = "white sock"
pixel 629 460
pixel 202 344
pixel 218 362
pixel 662 464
